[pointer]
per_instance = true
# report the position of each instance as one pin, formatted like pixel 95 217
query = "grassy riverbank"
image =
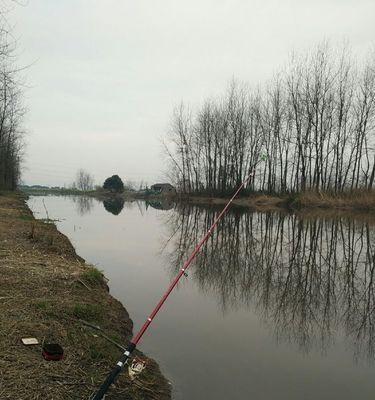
pixel 48 292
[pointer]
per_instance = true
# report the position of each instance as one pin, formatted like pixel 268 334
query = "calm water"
pixel 275 307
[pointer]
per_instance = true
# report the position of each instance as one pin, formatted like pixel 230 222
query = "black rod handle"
pixel 99 395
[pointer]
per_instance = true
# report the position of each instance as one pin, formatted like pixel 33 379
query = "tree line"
pixel 310 128
pixel 11 111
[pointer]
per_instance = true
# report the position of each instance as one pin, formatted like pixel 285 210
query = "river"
pixel 276 306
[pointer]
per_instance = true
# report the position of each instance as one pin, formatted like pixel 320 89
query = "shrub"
pixel 114 184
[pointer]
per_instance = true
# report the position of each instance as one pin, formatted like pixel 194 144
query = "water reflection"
pixel 114 205
pixel 309 278
pixel 161 204
pixel 84 204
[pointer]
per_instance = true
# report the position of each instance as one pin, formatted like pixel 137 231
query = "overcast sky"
pixel 106 74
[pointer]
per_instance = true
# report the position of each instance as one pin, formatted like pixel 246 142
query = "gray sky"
pixel 106 74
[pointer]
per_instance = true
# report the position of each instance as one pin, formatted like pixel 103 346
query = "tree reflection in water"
pixel 310 278
pixel 114 205
pixel 84 204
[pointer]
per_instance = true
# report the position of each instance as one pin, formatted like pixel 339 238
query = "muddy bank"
pixel 48 292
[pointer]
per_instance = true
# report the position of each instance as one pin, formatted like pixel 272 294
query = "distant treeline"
pixel 311 128
pixel 11 112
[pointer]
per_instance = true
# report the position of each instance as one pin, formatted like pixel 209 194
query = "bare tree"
pixel 84 181
pixel 11 111
pixel 313 127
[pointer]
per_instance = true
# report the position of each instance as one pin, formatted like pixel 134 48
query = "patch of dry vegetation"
pixel 356 200
pixel 48 292
pixel 363 200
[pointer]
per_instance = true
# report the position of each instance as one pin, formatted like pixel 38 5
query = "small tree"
pixel 84 181
pixel 114 184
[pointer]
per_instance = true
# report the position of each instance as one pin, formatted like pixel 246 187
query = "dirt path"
pixel 46 290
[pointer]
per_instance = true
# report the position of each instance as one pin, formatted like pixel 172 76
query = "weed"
pixel 48 309
pixel 26 217
pixel 42 305
pixel 92 275
pixel 88 311
pixel 96 352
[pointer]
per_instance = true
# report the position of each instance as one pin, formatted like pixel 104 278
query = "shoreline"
pixel 50 293
pixel 360 200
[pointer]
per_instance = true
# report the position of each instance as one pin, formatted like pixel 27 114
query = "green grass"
pixel 90 312
pixel 42 305
pixel 48 309
pixel 26 217
pixel 96 352
pixel 86 311
pixel 92 275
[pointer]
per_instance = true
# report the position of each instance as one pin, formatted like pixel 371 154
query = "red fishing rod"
pixel 133 343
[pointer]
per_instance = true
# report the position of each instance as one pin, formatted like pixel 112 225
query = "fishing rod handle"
pixel 99 395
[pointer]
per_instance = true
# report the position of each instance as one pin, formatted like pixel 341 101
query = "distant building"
pixel 163 188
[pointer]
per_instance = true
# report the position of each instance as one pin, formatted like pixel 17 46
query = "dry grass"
pixel 259 202
pixel 45 289
pixel 359 200
pixel 363 200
